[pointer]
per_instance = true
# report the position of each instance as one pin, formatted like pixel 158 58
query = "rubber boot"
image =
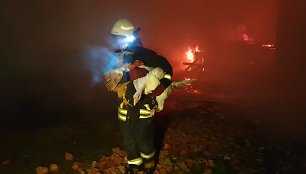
pixel 149 167
pixel 132 169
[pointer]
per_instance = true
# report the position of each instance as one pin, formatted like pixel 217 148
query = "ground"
pixel 194 134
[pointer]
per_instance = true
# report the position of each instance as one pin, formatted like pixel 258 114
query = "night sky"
pixel 46 46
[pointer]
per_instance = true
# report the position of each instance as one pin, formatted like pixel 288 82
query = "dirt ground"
pixel 193 135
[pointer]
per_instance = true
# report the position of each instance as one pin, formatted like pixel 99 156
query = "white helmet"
pixel 123 27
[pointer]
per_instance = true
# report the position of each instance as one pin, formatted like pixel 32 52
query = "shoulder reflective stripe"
pixel 167 76
pixel 122 111
pixel 147 106
pixel 147 156
pixel 121 105
pixel 145 112
pixel 137 161
pixel 121 117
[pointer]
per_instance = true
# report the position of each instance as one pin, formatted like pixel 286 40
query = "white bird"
pixel 151 81
pixel 147 84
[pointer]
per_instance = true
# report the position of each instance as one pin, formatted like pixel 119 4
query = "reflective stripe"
pixel 145 156
pixel 144 112
pixel 137 161
pixel 145 116
pixel 167 76
pixel 147 107
pixel 122 111
pixel 121 105
pixel 121 117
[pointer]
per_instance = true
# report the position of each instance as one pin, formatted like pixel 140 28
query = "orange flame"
pixel 190 53
pixel 270 46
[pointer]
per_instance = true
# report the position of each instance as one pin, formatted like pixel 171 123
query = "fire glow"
pixel 190 53
pixel 195 66
pixel 270 46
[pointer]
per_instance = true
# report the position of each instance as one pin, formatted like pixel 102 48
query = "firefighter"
pixel 137 104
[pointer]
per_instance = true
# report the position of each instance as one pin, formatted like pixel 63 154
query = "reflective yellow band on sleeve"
pixel 147 156
pixel 167 76
pixel 147 106
pixel 121 117
pixel 137 161
pixel 122 111
pixel 144 112
pixel 121 105
pixel 145 116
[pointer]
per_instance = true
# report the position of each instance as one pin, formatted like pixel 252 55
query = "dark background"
pixel 45 48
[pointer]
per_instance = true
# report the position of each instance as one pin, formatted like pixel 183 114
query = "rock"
pixel 110 162
pixel 158 166
pixel 102 163
pixel 163 171
pixel 93 164
pixel 42 170
pixel 53 168
pixel 176 168
pixel 118 160
pixel 183 152
pixel 207 171
pixel 167 146
pixel 121 168
pixel 81 171
pixel 6 162
pixel 211 163
pixel 68 156
pixel 167 162
pixel 92 171
pixel 161 156
pixel 189 163
pixel 169 169
pixel 75 166
pixel 156 172
pixel 110 170
pixel 116 150
pixel 183 167
pixel 226 157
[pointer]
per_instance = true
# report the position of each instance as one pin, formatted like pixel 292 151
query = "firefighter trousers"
pixel 138 135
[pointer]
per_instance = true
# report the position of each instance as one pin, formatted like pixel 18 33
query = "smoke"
pixel 98 60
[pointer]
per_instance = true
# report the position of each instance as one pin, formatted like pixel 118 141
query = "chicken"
pixel 147 84
pixel 151 81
